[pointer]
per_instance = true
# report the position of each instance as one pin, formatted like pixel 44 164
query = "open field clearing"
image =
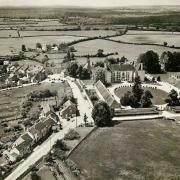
pixel 14 44
pixel 73 33
pixel 131 151
pixel 129 51
pixel 150 38
pixel 136 32
pixel 159 96
pixel 10 33
pixel 83 33
pixel 12 99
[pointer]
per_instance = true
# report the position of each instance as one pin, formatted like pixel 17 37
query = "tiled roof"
pixel 105 93
pixel 32 130
pixel 68 103
pixel 39 126
pixel 26 137
pixel 22 146
pixel 124 67
pixel 49 122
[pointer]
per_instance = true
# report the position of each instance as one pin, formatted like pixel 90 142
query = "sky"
pixel 93 3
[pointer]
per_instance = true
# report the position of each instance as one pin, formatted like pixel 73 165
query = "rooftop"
pixel 68 103
pixel 107 96
pixel 124 67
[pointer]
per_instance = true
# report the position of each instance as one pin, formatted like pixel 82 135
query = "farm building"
pixel 105 95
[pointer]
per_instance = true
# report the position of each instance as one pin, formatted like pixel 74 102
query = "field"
pixel 129 51
pixel 152 37
pixel 159 96
pixel 131 151
pixel 82 33
pixel 14 44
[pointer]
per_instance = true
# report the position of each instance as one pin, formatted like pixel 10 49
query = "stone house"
pixel 69 110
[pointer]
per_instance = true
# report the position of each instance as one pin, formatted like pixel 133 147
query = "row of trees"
pixel 78 71
pixel 173 99
pixel 152 63
pixel 137 98
pixel 171 61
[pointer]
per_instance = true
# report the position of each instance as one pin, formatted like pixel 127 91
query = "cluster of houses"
pixel 49 121
pixel 25 143
pixel 24 74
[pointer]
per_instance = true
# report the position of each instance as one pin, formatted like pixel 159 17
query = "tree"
pixel 100 75
pixel 85 74
pixel 137 97
pixel 165 43
pixel 49 47
pixel 33 114
pixel 146 99
pixel 173 99
pixel 137 92
pixel 34 176
pixel 126 100
pixel 167 59
pixel 158 78
pixel 72 69
pixel 123 60
pixel 150 61
pixel 72 135
pixel 102 114
pixel 99 64
pixel 38 46
pixel 45 59
pixel 111 60
pixel 23 48
pixel 100 53
pixel 68 55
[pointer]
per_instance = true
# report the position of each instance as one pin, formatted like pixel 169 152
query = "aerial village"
pixel 75 89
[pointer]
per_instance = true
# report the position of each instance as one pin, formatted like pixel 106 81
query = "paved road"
pixel 45 147
pixel 83 104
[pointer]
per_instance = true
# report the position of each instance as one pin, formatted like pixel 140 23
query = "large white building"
pixel 116 73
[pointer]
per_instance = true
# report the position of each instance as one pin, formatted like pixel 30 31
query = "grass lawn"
pixel 45 174
pixel 159 96
pixel 83 131
pixel 131 151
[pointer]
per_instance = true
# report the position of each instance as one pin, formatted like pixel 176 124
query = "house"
pixel 23 145
pixel 34 133
pixel 19 148
pixel 116 73
pixel 105 95
pixel 69 109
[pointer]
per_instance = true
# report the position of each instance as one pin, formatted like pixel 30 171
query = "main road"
pixel 46 146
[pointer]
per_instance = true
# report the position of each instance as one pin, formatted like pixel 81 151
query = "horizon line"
pixel 79 6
